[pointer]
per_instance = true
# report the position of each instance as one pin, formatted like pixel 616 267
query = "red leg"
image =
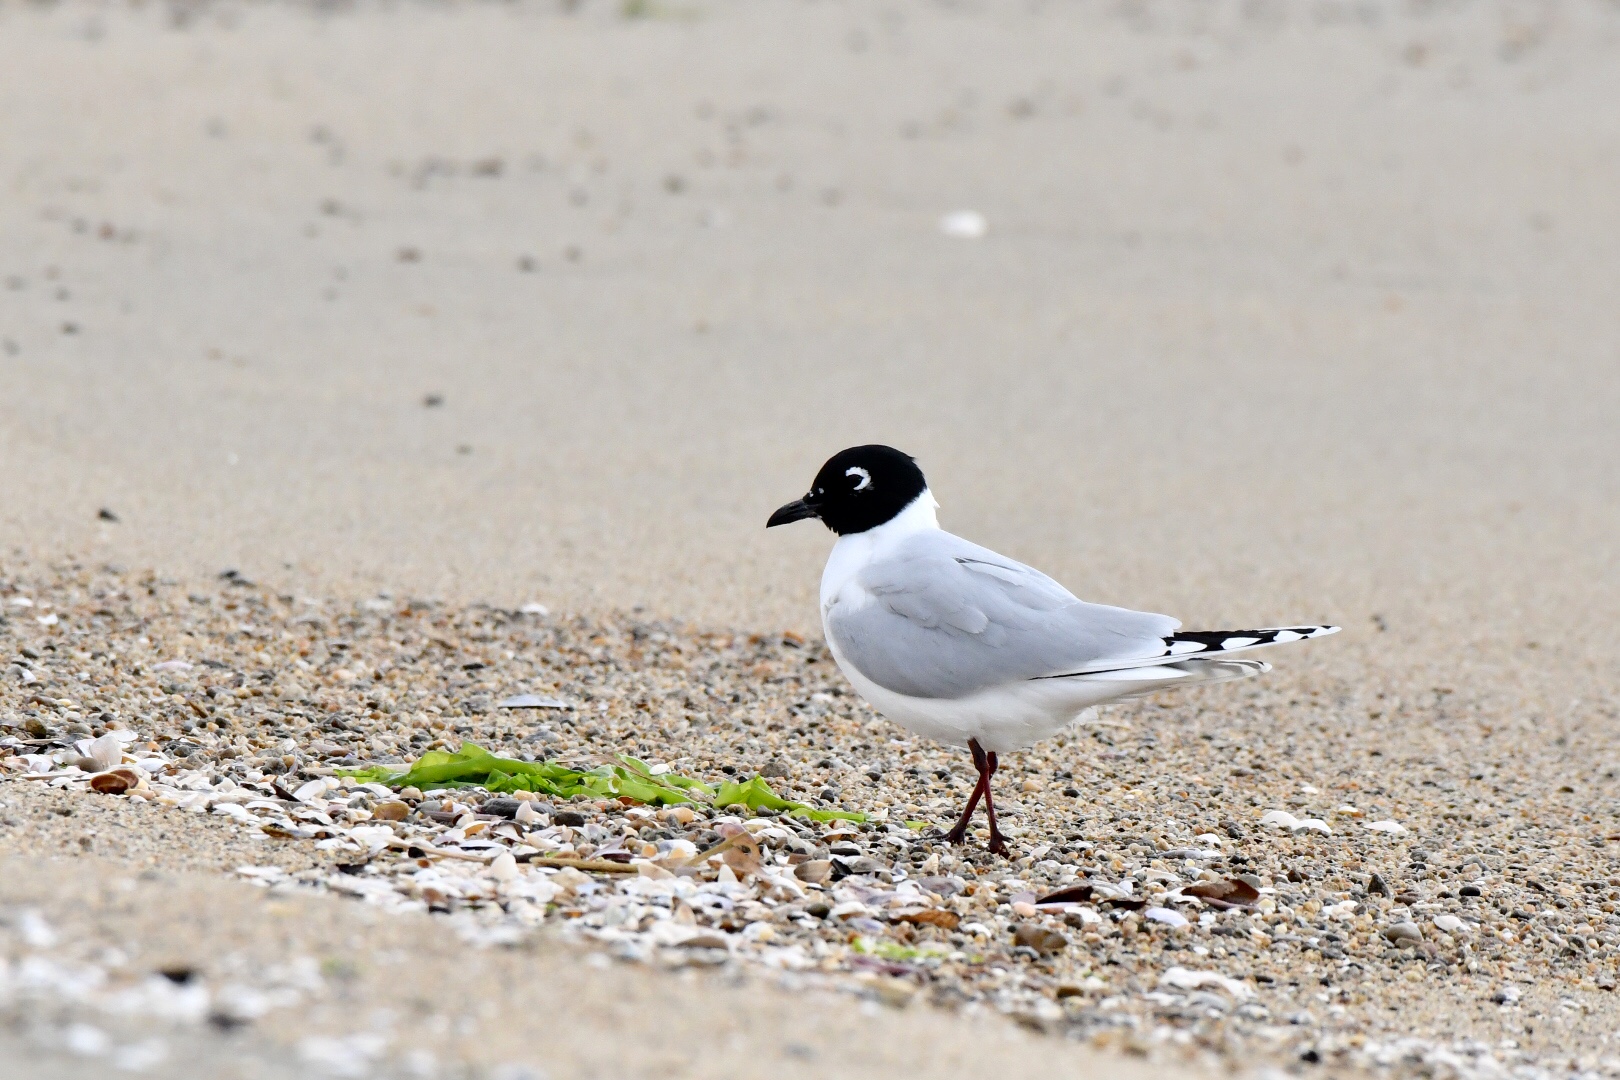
pixel 998 843
pixel 959 832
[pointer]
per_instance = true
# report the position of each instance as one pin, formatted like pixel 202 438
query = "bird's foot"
pixel 998 844
pixel 956 836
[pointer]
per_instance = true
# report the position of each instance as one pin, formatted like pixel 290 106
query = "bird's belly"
pixel 1002 718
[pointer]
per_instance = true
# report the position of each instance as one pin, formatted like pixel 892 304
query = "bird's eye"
pixel 863 479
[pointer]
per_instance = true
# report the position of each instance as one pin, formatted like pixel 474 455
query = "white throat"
pixel 854 551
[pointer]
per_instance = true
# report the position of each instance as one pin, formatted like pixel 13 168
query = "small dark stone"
pixel 820 909
pixel 1311 1057
pixel 1469 890
pixel 106 515
pixel 505 808
pixel 1377 886
pixel 570 818
pixel 1072 792
pixel 178 974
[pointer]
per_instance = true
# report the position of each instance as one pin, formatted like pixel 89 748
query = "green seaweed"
pixel 757 795
pixel 473 766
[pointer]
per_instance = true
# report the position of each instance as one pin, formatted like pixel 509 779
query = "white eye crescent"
pixel 865 477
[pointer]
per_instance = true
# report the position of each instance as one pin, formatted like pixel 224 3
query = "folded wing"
pixel 944 618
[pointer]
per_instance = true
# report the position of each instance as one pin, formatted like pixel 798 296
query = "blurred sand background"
pixel 1283 312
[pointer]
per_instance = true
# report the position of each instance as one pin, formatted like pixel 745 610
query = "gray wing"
pixel 943 618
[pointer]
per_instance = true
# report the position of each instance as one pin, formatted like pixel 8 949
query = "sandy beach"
pixel 1276 315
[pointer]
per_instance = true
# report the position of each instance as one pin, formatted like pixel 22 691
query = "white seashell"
pixel 534 609
pixel 1185 979
pixel 172 665
pixel 374 837
pixel 1087 915
pixel 1451 924
pixel 1282 819
pixel 532 701
pixel 233 810
pixel 107 752
pixel 1166 916
pixel 33 929
pixel 503 867
pixel 964 225
pixel 47 620
pixel 311 790
pixel 1385 827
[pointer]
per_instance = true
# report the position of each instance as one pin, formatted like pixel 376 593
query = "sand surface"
pixel 1280 315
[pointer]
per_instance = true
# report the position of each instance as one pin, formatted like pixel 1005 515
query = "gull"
pixel 970 648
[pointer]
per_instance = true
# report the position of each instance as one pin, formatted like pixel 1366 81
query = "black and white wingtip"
pixel 1208 642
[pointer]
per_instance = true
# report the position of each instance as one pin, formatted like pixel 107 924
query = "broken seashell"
pixel 1223 894
pixel 1284 820
pixel 532 701
pixel 106 752
pixel 1186 979
pixel 1166 916
pixel 1450 924
pixel 311 790
pixel 706 940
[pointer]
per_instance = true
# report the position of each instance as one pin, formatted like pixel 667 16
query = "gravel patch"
pixel 1259 875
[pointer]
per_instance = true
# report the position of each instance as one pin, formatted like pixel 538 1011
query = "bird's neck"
pixel 855 550
pixel 918 516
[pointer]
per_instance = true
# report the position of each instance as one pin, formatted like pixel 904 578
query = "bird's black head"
pixel 858 489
